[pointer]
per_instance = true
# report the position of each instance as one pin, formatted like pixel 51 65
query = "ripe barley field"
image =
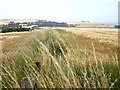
pixel 68 57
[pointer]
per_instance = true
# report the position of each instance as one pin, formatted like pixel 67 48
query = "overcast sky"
pixel 100 11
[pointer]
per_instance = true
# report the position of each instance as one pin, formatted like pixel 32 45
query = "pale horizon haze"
pixel 99 11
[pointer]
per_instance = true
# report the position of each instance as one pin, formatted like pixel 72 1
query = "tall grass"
pixel 67 61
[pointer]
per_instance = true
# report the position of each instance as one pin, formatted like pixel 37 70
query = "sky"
pixel 99 11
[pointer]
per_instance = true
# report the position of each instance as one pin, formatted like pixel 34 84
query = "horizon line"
pixel 106 23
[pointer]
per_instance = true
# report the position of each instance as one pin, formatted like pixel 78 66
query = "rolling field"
pixel 69 58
